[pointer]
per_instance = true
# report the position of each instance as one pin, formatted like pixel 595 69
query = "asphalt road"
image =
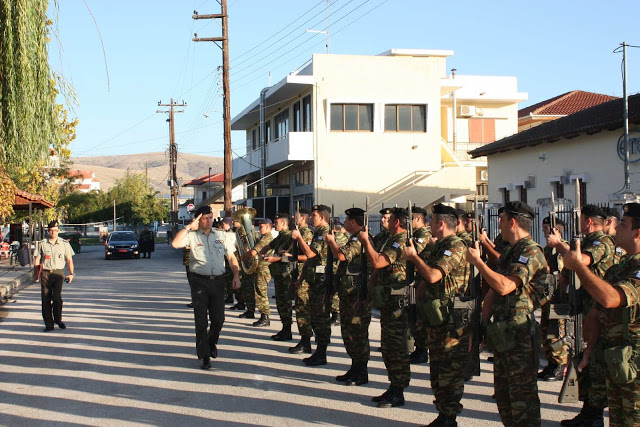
pixel 127 357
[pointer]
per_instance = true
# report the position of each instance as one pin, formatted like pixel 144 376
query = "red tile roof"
pixel 205 179
pixel 565 104
pixel 23 199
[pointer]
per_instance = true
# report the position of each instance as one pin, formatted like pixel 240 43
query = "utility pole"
pixel 114 215
pixel 225 88
pixel 173 159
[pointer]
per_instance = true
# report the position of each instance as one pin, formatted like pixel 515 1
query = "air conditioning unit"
pixel 467 111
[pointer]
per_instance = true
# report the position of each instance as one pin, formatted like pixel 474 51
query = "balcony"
pixel 295 146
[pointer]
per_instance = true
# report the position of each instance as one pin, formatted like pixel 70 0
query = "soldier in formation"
pixel 263 275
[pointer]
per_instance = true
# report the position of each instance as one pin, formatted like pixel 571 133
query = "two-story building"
pixel 390 127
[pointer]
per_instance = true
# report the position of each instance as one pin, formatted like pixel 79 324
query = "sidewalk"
pixel 13 278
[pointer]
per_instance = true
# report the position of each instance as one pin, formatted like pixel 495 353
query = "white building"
pixel 85 181
pixel 346 127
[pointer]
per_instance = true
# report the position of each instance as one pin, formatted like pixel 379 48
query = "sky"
pixel 123 57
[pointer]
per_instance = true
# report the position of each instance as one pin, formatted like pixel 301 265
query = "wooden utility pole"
pixel 173 159
pixel 226 99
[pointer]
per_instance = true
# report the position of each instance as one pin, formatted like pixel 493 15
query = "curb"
pixel 15 285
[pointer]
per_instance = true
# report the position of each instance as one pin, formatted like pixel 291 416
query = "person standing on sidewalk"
pixel 51 256
pixel 206 265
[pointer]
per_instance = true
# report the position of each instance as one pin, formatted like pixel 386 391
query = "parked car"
pixel 121 244
pixel 74 238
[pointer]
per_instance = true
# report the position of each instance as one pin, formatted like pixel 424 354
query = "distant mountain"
pixel 109 168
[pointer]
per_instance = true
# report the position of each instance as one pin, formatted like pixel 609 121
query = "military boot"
pixel 249 314
pixel 318 358
pixel 445 421
pixel 346 376
pixel 284 334
pixel 577 420
pixel 238 306
pixel 262 321
pixel 359 376
pixel 393 399
pixel 419 355
pixel 335 318
pixel 593 417
pixel 304 346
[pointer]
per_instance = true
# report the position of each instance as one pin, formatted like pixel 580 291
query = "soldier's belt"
pixel 469 304
pixel 399 292
pixel 202 276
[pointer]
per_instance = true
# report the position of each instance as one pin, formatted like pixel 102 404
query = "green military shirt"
pixel 264 241
pixel 307 236
pixel 380 239
pixel 352 249
pixel 395 274
pixel 421 238
pixel 53 256
pixel 281 241
pixel 448 255
pixel 526 261
pixel 466 238
pixel 320 246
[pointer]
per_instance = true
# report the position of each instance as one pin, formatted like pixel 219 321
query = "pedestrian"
pixel 52 254
pixel 206 265
pixel 146 242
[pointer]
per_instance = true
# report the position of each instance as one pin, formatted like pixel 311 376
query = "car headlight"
pixel 109 247
pixel 134 246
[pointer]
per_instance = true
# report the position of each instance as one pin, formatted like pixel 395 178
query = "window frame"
pixel 423 108
pixel 278 120
pixel 307 123
pixel 344 116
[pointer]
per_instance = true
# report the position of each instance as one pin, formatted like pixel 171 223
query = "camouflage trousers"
pixel 624 409
pixel 303 310
pixel 552 330
pixel 228 283
pixel 283 297
pixel 247 287
pixel 515 379
pixel 263 277
pixel 335 302
pixel 592 387
pixel 393 336
pixel 354 335
pixel 448 358
pixel 319 308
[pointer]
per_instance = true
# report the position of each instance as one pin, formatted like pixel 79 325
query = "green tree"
pixel 135 201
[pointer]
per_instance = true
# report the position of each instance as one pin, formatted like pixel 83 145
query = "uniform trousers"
pixel 393 339
pixel 624 409
pixel 208 306
pixel 51 290
pixel 303 311
pixel 320 306
pixel 354 335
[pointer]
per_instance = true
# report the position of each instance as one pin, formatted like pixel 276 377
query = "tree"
pixel 135 202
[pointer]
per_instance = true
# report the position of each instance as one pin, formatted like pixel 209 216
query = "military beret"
pixel 282 215
pixel 322 208
pixel 202 210
pixel 337 222
pixel 400 213
pixel 53 224
pixel 519 208
pixel 441 209
pixel 304 211
pixel 418 210
pixel 461 213
pixel 612 213
pixel 262 221
pixel 593 211
pixel 631 210
pixel 228 220
pixel 385 211
pixel 354 212
pixel 547 220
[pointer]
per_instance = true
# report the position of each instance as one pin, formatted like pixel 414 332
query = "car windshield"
pixel 122 237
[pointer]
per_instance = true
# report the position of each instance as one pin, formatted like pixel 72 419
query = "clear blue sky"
pixel 551 47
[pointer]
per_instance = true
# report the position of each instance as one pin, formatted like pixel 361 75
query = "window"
pixel 482 189
pixel 267 131
pixel 558 190
pixel 297 117
pixel 583 193
pixel 352 117
pixel 304 177
pixel 404 118
pixel 254 139
pixel 482 130
pixel 505 195
pixel 282 124
pixel 204 195
pixel 523 194
pixel 306 114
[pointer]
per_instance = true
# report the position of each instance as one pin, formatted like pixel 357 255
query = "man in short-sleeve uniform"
pixel 207 265
pixel 520 271
pixel 53 253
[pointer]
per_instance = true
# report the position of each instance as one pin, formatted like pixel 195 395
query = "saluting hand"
pixel 195 223
pixel 473 254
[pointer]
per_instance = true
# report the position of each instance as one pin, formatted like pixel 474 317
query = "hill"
pixel 109 168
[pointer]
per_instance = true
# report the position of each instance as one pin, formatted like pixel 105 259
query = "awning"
pixel 24 199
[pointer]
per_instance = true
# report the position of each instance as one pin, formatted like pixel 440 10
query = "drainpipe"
pixel 263 142
pixel 455 107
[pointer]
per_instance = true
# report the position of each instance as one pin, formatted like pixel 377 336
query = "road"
pixel 127 357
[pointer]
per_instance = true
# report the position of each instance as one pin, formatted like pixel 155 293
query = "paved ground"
pixel 128 357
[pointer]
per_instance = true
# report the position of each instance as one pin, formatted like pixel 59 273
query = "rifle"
pixel 411 280
pixel 473 303
pixel 572 312
pixel 328 272
pixel 363 285
pixel 293 261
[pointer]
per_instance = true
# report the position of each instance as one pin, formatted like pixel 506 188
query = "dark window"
pixel 505 195
pixel 558 189
pixel 352 117
pixel 404 118
pixel 267 131
pixel 583 193
pixel 482 189
pixel 204 195
pixel 297 117
pixel 523 194
pixel 282 124
pixel 306 114
pixel 254 139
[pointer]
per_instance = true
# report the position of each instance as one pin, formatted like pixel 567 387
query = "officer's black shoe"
pixel 238 306
pixel 248 315
pixel 262 321
pixel 318 358
pixel 190 305
pixel 48 329
pixel 214 351
pixel 419 355
pixel 206 363
pixel 393 399
pixel 284 334
pixel 359 376
pixel 229 300
pixel 304 346
pixel 61 325
pixel 335 318
pixel 346 376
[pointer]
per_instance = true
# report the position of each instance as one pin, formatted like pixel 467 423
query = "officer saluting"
pixel 614 322
pixel 206 265
pixel 51 256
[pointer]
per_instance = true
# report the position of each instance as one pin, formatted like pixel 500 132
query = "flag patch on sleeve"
pixel 395 245
pixel 523 259
pixel 447 252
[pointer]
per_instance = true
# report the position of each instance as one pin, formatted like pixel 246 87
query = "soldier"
pixel 303 311
pixel 263 275
pixel 520 271
pixel 341 238
pixel 281 273
pixel 390 288
pixel 314 273
pixel 557 360
pixel 465 227
pixel 598 252
pixel 355 335
pixel 380 238
pixel 613 323
pixel 610 224
pixel 444 277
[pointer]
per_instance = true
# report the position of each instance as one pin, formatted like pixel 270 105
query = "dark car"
pixel 74 238
pixel 121 244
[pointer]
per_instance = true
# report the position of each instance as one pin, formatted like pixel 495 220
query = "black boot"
pixel 262 321
pixel 229 300
pixel 382 397
pixel 393 399
pixel 206 363
pixel 577 420
pixel 284 334
pixel 359 376
pixel 347 376
pixel 304 346
pixel 335 318
pixel 318 358
pixel 552 372
pixel 444 421
pixel 248 315
pixel 419 355
pixel 238 306
pixel 593 417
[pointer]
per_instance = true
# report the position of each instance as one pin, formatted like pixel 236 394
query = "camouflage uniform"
pixel 394 330
pixel 380 239
pixel 341 240
pixel 318 303
pixel 624 407
pixel 619 253
pixel 263 275
pixel 422 243
pixel 355 336
pixel 550 337
pixel 516 370
pixel 466 237
pixel 448 343
pixel 591 380
pixel 303 310
pixel 281 273
pixel 248 283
